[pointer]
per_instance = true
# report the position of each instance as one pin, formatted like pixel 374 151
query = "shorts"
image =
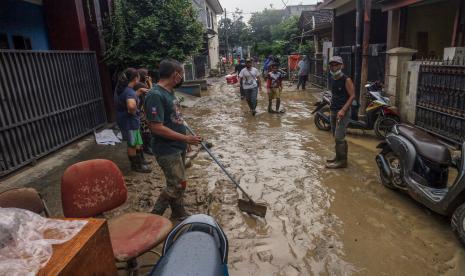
pixel 132 137
pixel 275 93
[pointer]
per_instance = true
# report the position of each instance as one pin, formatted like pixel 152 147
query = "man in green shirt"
pixel 169 142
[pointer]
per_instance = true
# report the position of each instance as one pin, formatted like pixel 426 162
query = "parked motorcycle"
pixel 380 115
pixel 415 162
pixel 196 246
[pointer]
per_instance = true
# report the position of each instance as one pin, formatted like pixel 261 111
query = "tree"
pixel 144 32
pixel 235 30
pixel 261 24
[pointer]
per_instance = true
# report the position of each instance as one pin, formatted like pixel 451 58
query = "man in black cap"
pixel 343 93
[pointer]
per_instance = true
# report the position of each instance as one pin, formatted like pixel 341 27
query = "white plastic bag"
pixel 26 240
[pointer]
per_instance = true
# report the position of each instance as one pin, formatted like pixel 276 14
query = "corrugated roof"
pixel 323 18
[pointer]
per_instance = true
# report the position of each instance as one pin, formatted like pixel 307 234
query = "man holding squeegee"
pixel 170 139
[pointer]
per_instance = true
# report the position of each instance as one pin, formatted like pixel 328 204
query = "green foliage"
pixel 283 38
pixel 268 32
pixel 143 32
pixel 235 30
pixel 262 23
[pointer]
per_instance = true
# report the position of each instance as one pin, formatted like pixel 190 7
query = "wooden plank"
pixel 88 253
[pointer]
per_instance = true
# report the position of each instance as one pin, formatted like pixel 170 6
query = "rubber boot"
pixel 142 157
pixel 161 204
pixel 178 212
pixel 278 104
pixel 341 156
pixel 334 159
pixel 270 110
pixel 136 164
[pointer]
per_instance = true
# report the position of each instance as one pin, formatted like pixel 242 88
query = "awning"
pixel 387 5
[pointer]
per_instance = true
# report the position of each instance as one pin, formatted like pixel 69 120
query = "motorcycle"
pixel 380 115
pixel 196 246
pixel 415 162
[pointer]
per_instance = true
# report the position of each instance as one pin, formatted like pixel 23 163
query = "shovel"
pixel 248 206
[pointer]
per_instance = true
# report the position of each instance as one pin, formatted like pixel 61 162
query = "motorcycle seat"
pixel 426 145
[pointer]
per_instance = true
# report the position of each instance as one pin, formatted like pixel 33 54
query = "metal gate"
pixel 440 105
pixel 318 76
pixel 47 100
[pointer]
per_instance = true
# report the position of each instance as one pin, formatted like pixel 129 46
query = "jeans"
pixel 338 129
pixel 302 81
pixel 242 91
pixel 251 96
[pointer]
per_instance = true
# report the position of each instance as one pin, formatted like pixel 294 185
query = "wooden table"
pixel 88 253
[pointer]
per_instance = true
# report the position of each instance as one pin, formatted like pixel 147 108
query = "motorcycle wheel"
pixel 320 122
pixel 458 223
pixel 384 124
pixel 394 163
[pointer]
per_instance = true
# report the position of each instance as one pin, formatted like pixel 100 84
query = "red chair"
pixel 92 187
pixel 24 198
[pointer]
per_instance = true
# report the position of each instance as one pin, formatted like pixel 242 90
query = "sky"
pixel 249 6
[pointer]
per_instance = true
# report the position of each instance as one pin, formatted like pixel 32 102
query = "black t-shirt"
pixel 162 106
pixel 339 93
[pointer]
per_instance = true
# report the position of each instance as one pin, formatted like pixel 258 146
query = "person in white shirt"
pixel 250 79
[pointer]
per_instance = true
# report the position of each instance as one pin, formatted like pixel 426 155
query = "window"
pixel 21 43
pixel 211 19
pixel 208 18
pixel 4 41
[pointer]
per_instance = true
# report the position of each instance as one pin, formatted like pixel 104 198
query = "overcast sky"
pixel 249 6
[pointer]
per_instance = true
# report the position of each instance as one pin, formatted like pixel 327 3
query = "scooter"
pixel 415 162
pixel 196 246
pixel 380 115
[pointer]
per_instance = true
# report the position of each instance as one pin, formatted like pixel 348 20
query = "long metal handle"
pixel 219 164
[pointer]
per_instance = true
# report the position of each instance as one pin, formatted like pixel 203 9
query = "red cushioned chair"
pixel 92 187
pixel 24 198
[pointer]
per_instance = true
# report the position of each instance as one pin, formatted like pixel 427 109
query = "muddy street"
pixel 319 222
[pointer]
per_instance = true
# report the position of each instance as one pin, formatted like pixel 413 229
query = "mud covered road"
pixel 319 222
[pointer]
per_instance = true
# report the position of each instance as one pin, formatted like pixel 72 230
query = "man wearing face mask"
pixel 343 94
pixel 169 142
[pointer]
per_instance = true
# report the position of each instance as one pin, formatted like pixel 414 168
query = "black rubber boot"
pixel 335 158
pixel 270 110
pixel 178 212
pixel 136 164
pixel 278 104
pixel 148 150
pixel 142 157
pixel 341 156
pixel 161 204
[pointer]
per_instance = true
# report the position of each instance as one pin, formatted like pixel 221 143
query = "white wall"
pixel 214 46
pixel 408 91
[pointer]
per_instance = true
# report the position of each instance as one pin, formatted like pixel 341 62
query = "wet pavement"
pixel 319 222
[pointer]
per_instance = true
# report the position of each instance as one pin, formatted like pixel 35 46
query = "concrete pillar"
pixel 396 58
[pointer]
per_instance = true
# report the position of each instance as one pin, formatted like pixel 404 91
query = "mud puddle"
pixel 318 222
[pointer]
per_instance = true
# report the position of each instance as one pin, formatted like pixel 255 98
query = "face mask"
pixel 179 83
pixel 336 74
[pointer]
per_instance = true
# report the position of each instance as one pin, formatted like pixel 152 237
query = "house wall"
pixel 408 91
pixel 214 46
pixel 344 29
pixel 66 24
pixel 437 20
pixel 200 6
pixel 24 19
